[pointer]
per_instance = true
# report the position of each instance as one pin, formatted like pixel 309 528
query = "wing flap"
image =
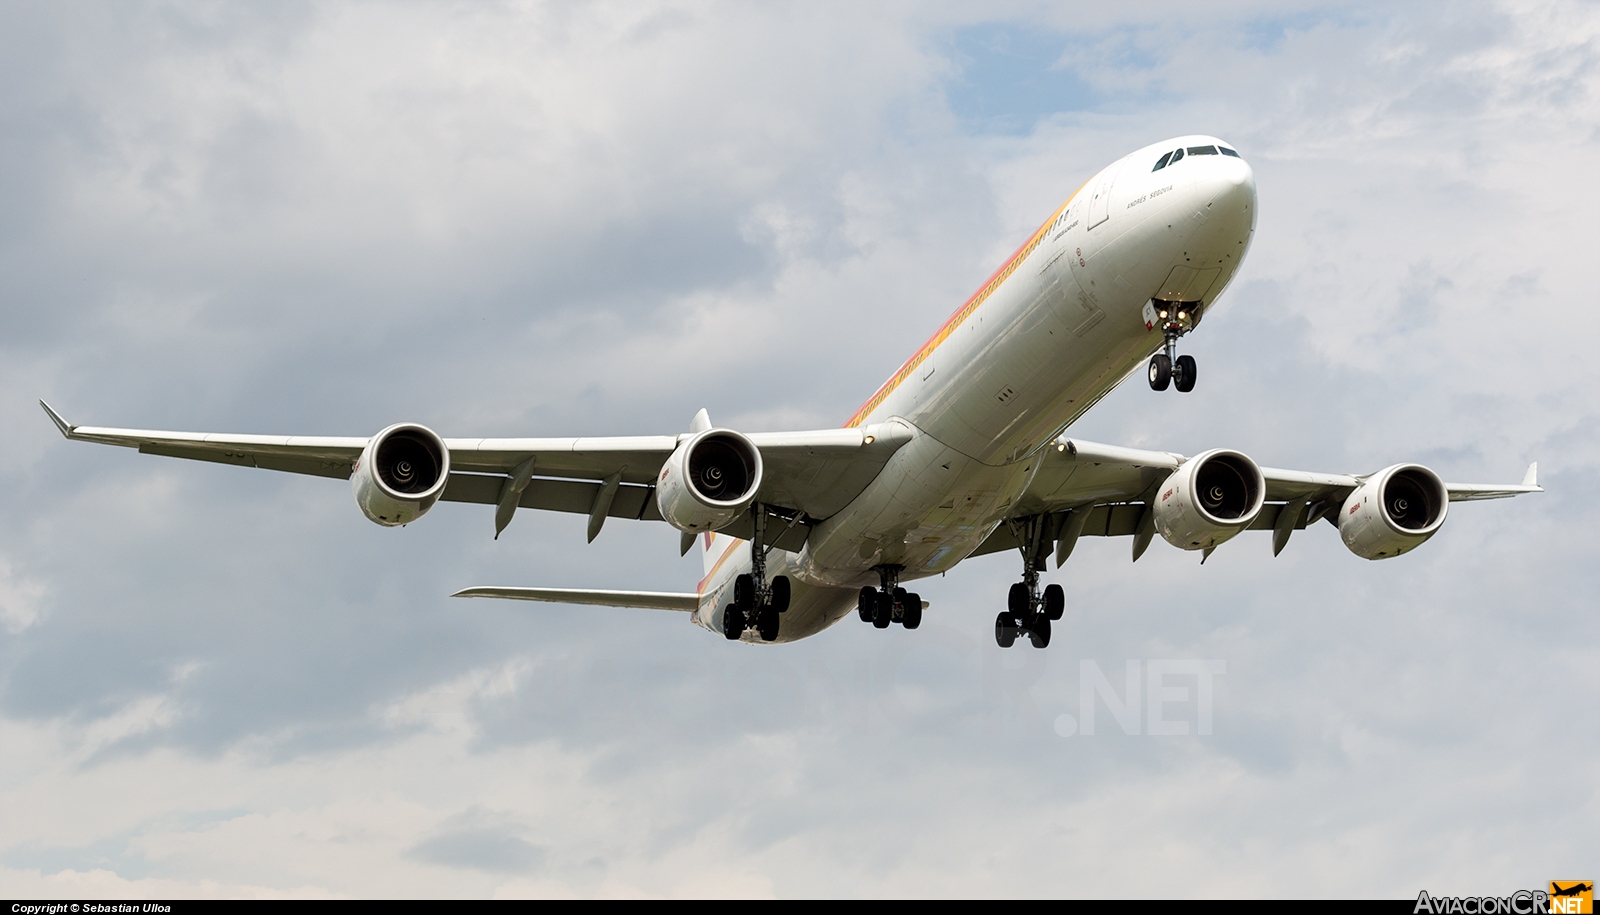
pixel 637 457
pixel 1122 520
pixel 1473 492
pixel 1119 520
pixel 648 600
pixel 572 496
pixel 338 469
pixel 1283 485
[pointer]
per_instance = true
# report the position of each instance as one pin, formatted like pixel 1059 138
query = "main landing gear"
pixel 1176 319
pixel 1029 613
pixel 757 603
pixel 890 603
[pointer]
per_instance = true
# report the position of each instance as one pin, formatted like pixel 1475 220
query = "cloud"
pixel 19 600
pixel 481 840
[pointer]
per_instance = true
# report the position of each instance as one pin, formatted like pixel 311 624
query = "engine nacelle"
pixel 709 481
pixel 1209 499
pixel 1393 511
pixel 400 474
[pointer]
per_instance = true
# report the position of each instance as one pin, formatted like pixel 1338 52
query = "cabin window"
pixel 1202 150
pixel 1228 152
pixel 1162 163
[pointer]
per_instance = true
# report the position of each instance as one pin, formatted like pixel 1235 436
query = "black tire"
pixel 866 604
pixel 1039 632
pixel 780 593
pixel 732 623
pixel 913 612
pixel 744 594
pixel 882 611
pixel 1055 602
pixel 1183 376
pixel 1005 630
pixel 767 624
pixel 1018 600
pixel 1160 372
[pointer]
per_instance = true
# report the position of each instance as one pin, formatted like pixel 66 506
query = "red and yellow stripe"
pixel 700 587
pixel 961 314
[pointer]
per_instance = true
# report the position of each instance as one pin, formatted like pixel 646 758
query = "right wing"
pixel 810 474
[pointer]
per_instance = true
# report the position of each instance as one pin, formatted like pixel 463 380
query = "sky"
pixel 573 218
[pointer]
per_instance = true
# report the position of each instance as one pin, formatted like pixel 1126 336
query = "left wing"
pixel 1089 489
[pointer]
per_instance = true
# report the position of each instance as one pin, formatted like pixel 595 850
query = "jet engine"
pixel 709 481
pixel 1209 499
pixel 1393 511
pixel 400 474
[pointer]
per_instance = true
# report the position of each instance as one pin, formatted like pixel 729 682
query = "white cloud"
pixel 103 884
pixel 19 600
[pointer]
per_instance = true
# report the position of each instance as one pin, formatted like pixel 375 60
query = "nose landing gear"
pixel 1175 319
pixel 890 603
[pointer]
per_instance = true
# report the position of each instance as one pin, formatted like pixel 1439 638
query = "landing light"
pixel 1061 446
pixel 871 438
pixel 1182 316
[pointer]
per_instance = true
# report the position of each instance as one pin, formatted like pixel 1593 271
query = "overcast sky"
pixel 565 218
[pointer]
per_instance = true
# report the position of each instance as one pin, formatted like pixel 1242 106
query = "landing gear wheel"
pixel 732 623
pixel 1183 374
pixel 767 624
pixel 911 617
pixel 1019 599
pixel 1161 372
pixel 1055 602
pixel 866 604
pixel 780 593
pixel 744 594
pixel 1039 632
pixel 882 611
pixel 1005 630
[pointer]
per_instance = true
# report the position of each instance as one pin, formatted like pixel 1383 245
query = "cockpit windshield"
pixel 1172 158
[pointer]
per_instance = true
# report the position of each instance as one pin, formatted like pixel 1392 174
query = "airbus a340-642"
pixel 963 451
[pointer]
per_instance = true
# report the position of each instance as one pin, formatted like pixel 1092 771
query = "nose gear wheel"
pixel 1167 367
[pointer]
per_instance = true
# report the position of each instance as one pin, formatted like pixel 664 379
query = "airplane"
pixel 963 451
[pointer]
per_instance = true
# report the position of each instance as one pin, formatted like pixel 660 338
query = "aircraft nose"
pixel 1232 187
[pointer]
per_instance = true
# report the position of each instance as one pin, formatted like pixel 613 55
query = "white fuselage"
pixel 1053 331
